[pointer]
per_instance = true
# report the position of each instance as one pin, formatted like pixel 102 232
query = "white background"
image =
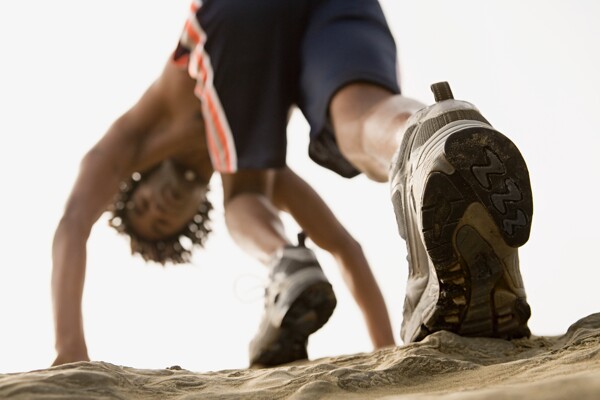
pixel 69 68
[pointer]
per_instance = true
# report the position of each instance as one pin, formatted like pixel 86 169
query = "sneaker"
pixel 298 301
pixel 463 203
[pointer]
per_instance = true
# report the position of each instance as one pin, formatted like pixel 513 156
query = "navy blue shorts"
pixel 254 60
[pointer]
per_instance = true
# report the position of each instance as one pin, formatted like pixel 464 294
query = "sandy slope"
pixel 442 366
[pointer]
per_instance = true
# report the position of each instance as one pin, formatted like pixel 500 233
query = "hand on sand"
pixel 65 358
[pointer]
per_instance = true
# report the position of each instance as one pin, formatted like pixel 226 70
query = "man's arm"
pixel 123 149
pixel 293 195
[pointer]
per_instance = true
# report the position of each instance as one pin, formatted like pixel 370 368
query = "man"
pixel 460 189
pixel 164 206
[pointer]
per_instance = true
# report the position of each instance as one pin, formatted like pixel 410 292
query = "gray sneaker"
pixel 298 301
pixel 463 203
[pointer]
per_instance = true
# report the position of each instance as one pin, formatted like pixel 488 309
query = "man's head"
pixel 164 211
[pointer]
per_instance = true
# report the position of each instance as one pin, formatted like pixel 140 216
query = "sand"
pixel 443 366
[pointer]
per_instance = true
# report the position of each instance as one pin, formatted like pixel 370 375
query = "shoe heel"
pixel 498 177
pixel 311 310
pixel 307 314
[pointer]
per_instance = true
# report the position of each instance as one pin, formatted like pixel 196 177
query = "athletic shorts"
pixel 253 60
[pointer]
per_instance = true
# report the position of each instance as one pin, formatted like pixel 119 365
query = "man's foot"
pixel 463 202
pixel 298 301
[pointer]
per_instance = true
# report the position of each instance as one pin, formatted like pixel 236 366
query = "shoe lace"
pixel 249 288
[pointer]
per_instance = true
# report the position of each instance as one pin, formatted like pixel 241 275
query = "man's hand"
pixel 66 357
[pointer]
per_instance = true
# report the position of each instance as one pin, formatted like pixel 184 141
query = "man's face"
pixel 164 202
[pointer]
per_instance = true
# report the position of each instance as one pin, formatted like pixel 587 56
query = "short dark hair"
pixel 171 249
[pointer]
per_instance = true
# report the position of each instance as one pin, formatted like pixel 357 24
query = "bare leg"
pixel 298 299
pixel 252 220
pixel 293 195
pixel 369 122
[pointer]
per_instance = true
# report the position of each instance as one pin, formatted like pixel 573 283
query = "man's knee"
pixel 247 181
pixel 350 109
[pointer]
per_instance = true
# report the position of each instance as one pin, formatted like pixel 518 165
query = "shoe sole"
pixel 473 218
pixel 308 313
